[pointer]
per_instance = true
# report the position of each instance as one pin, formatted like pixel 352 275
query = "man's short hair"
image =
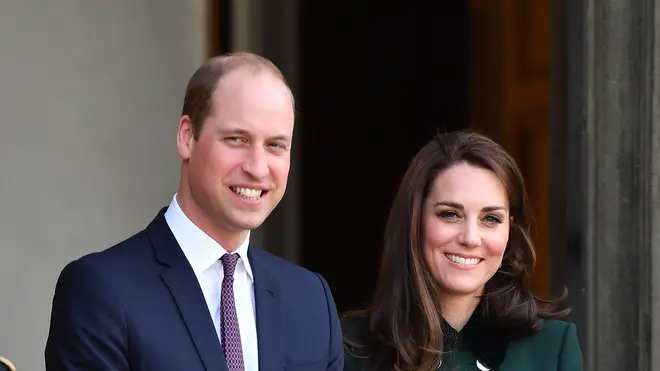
pixel 203 83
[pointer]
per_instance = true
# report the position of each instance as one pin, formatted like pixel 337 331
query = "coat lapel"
pixel 487 339
pixel 267 308
pixel 182 283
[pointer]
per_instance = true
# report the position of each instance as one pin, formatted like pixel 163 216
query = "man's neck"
pixel 229 240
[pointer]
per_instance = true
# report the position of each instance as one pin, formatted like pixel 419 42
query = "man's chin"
pixel 242 219
pixel 246 224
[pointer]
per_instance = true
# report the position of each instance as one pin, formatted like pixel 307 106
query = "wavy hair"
pixel 405 323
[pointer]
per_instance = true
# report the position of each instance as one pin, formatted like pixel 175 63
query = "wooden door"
pixel 509 99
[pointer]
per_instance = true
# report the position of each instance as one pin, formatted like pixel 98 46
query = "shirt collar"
pixel 199 248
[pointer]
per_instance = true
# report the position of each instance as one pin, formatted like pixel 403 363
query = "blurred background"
pixel 92 90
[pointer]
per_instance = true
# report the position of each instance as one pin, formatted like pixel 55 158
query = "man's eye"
pixel 234 139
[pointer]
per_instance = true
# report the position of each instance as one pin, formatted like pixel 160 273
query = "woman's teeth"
pixel 462 260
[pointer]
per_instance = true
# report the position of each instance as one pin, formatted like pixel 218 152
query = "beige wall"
pixel 90 94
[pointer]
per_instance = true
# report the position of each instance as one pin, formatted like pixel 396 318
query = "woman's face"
pixel 466 228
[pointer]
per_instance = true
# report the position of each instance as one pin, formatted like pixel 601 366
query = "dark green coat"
pixel 484 346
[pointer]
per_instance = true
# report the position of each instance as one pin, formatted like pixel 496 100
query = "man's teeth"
pixel 462 260
pixel 248 193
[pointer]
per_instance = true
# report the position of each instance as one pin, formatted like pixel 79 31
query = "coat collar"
pixel 483 335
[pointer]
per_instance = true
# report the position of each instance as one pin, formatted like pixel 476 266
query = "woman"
pixel 454 285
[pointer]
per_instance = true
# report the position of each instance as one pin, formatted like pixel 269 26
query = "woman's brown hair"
pixel 404 321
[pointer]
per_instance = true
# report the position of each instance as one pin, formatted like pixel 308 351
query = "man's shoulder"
pixel 121 252
pixel 287 273
pixel 280 265
pixel 115 261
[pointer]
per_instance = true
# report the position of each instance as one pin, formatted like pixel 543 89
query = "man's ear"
pixel 185 137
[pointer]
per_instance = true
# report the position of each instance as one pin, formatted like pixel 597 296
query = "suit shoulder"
pixel 106 265
pixel 281 265
pixel 119 253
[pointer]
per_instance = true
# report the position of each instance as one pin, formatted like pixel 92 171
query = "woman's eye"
pixel 449 215
pixel 493 219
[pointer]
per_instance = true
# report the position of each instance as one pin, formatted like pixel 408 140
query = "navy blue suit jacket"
pixel 138 306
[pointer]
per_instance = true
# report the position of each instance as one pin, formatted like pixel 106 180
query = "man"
pixel 189 292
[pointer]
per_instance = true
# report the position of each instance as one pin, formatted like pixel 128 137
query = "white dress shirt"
pixel 204 254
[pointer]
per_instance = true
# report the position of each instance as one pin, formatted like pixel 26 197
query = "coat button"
pixel 481 366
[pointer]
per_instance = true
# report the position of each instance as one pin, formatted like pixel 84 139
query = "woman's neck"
pixel 457 310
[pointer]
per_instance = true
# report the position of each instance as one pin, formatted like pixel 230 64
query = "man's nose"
pixel 255 164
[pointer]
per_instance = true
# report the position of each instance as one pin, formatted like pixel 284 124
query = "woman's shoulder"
pixel 556 342
pixel 556 330
pixel 552 332
pixel 355 328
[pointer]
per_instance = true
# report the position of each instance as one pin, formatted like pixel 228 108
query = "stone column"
pixel 280 44
pixel 606 141
pixel 270 29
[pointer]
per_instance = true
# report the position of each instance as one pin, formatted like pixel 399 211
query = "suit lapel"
pixel 182 283
pixel 267 308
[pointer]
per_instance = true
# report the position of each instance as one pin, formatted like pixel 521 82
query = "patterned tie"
pixel 231 335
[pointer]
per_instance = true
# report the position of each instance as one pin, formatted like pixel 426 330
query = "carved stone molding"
pixel 605 94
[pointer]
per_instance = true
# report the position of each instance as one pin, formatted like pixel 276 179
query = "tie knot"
pixel 229 264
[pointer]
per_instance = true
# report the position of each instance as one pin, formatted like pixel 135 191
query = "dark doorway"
pixel 374 86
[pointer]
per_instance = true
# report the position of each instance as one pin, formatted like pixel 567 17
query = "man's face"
pixel 238 168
